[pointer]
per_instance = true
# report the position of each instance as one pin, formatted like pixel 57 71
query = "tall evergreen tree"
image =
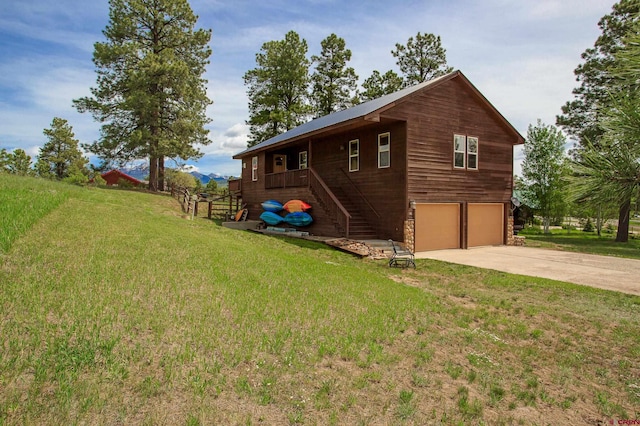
pixel 610 172
pixel 19 162
pixel 612 177
pixel 150 92
pixel 334 84
pixel 4 160
pixel 60 157
pixel 581 117
pixel 421 59
pixel 380 84
pixel 277 88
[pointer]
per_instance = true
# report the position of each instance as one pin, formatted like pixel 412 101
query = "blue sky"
pixel 519 53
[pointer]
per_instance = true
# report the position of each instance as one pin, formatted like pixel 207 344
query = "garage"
pixel 485 224
pixel 437 226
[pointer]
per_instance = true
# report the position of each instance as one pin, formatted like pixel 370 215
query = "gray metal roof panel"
pixel 338 117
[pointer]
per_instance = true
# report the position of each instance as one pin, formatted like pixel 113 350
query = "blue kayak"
pixel 270 218
pixel 298 219
pixel 272 206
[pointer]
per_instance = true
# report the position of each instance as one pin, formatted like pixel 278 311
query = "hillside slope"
pixel 116 309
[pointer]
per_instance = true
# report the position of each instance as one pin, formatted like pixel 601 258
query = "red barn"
pixel 112 177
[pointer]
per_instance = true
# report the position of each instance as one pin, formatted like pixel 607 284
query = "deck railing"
pixel 288 179
pixel 235 185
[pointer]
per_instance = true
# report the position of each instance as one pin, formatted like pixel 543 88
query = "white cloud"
pixel 188 168
pixel 520 55
pixel 227 142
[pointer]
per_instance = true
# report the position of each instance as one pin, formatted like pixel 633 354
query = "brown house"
pixel 430 165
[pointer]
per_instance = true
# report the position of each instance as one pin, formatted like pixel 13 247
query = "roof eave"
pixel 365 118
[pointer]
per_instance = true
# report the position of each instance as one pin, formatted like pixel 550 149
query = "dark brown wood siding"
pixel 255 193
pixel 379 194
pixel 433 118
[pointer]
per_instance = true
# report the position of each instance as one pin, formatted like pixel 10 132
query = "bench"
pixel 401 258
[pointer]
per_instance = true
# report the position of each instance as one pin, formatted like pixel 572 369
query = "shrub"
pixel 588 226
pixel 124 183
pixel 99 181
pixel 76 179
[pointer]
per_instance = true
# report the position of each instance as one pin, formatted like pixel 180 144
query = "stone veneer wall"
pixel 409 234
pixel 510 237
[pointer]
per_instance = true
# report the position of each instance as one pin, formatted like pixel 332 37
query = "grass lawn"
pixel 584 242
pixel 115 309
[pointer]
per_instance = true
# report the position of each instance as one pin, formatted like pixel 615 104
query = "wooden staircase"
pixel 359 228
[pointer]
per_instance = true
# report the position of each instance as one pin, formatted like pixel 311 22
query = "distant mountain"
pixel 203 178
pixel 141 172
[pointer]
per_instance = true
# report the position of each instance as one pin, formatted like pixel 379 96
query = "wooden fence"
pixel 220 205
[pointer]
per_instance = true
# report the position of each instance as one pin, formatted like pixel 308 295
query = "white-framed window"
pixel 302 160
pixel 465 152
pixel 354 155
pixel 459 145
pixel 254 169
pixel 384 150
pixel 472 153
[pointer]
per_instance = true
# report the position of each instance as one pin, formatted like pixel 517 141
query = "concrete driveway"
pixel 610 273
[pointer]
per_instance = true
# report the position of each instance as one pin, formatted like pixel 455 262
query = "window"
pixel 384 154
pixel 472 153
pixel 354 155
pixel 465 152
pixel 302 160
pixel 254 169
pixel 459 142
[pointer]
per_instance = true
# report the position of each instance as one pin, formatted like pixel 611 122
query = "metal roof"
pixel 357 111
pixel 367 108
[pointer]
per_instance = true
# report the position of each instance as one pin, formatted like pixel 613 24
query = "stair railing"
pixel 337 211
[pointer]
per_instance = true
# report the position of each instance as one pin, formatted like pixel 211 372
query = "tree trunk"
pixel 546 220
pixel 623 223
pixel 599 221
pixel 153 173
pixel 161 173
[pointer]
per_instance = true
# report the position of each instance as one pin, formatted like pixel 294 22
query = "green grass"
pixel 114 308
pixel 23 201
pixel 583 242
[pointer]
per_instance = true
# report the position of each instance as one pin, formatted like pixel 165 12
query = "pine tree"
pixel 4 160
pixel 19 163
pixel 277 88
pixel 60 157
pixel 379 85
pixel 422 59
pixel 581 117
pixel 334 85
pixel 150 92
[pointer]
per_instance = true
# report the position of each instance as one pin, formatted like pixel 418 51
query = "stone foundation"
pixel 511 238
pixel 410 240
pixel 409 234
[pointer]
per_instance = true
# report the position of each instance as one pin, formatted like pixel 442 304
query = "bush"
pixel 124 183
pixel 588 227
pixel 76 179
pixel 99 181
